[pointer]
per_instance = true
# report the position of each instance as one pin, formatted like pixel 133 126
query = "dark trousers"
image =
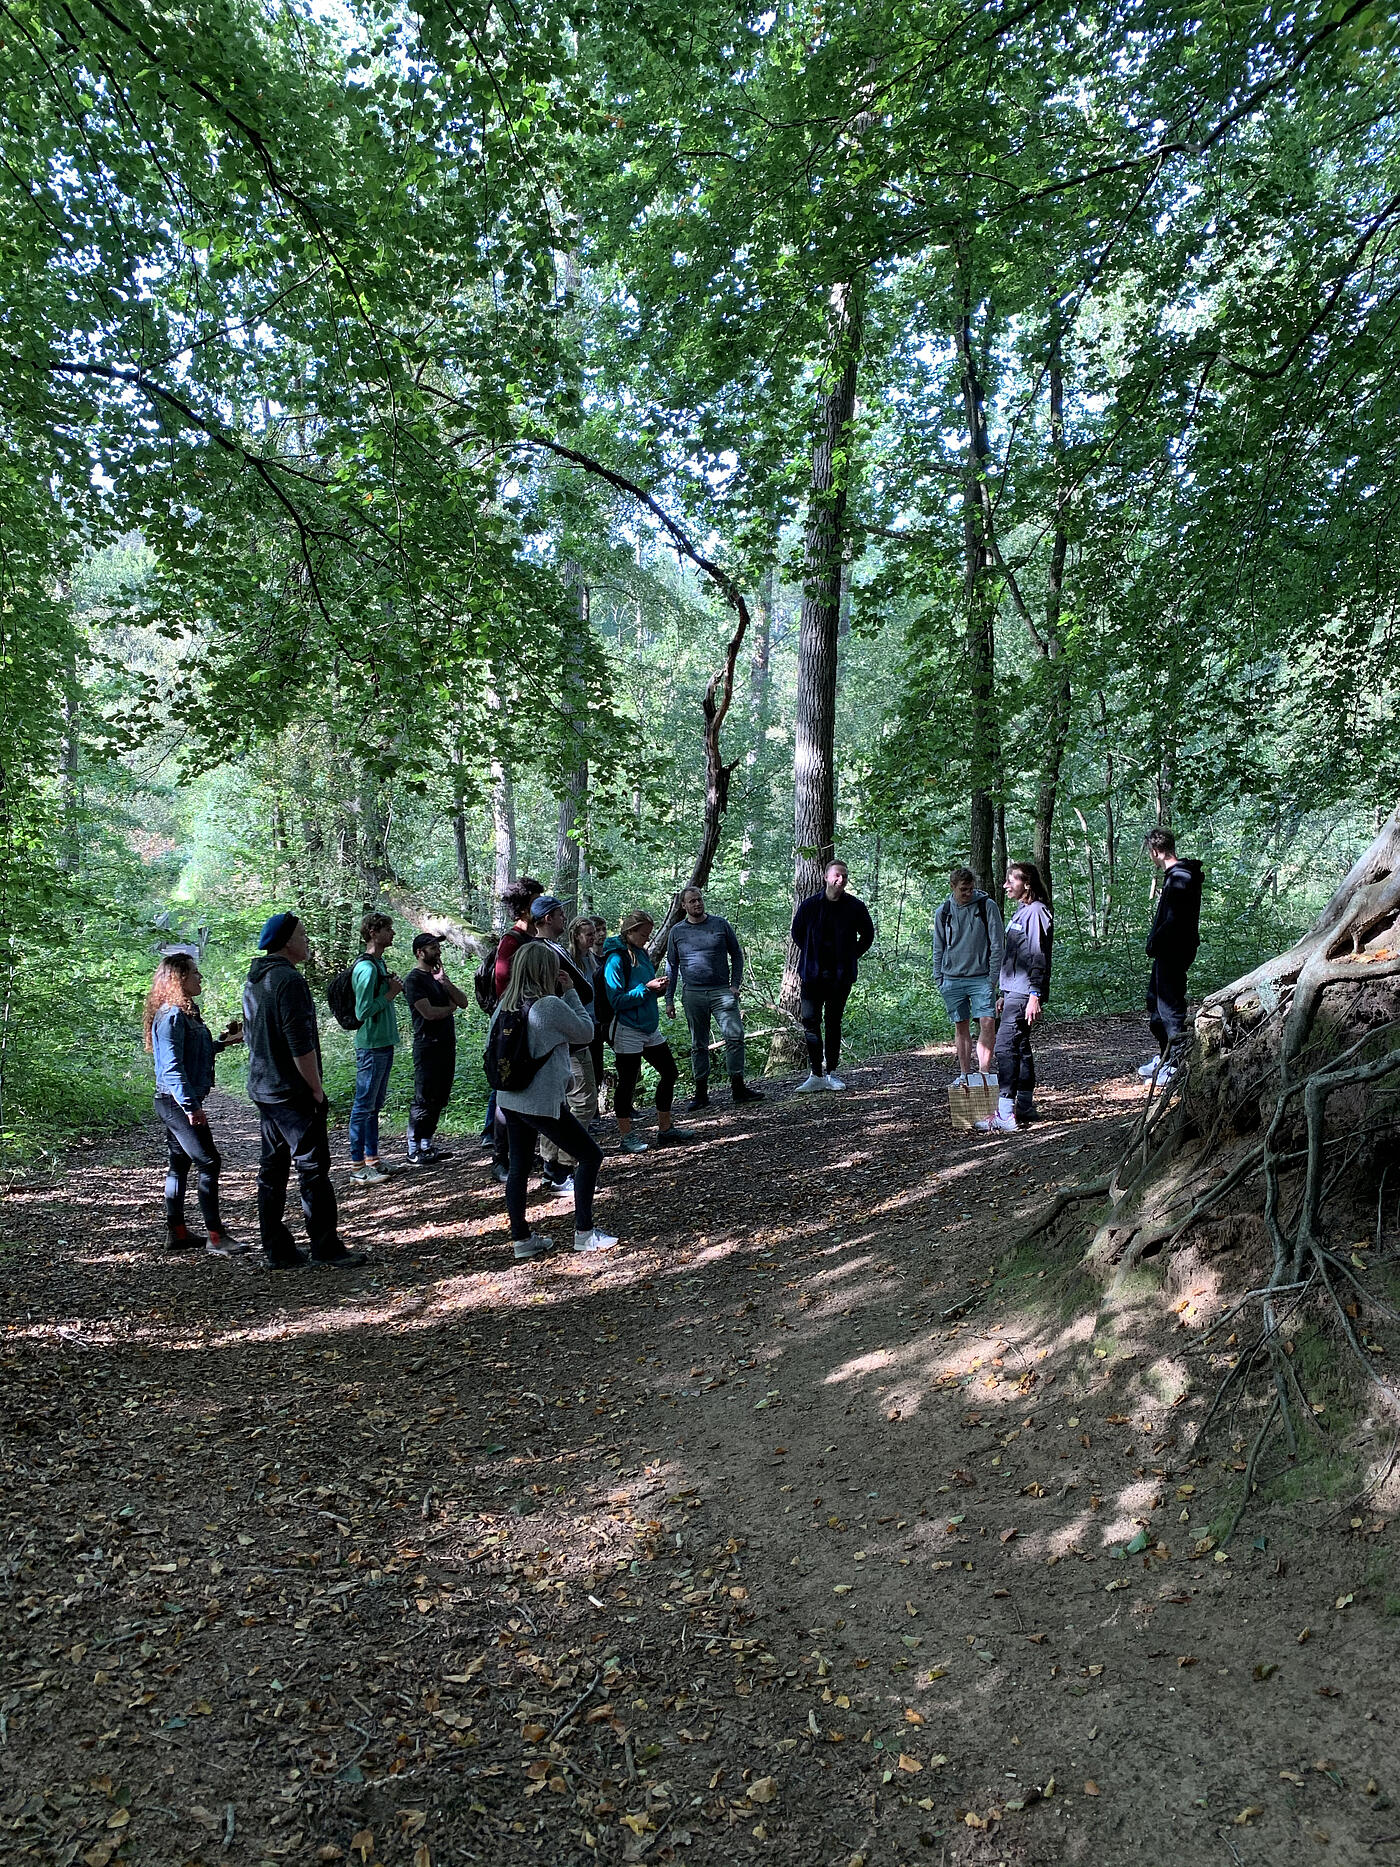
pixel 820 995
pixel 1015 1063
pixel 189 1146
pixel 597 1048
pixel 1166 1006
pixel 571 1137
pixel 434 1067
pixel 629 1070
pixel 295 1136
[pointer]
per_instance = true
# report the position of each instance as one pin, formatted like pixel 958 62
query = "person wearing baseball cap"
pixel 284 1085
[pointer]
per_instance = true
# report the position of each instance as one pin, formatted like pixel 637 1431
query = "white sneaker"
pixel 534 1246
pixel 834 1082
pixel 594 1240
pixel 958 1082
pixel 813 1082
pixel 998 1124
pixel 1148 1070
pixel 1165 1074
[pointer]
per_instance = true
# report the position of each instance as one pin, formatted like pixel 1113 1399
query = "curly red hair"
pixel 169 987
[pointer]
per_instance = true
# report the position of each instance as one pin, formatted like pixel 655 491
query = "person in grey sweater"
pixel 967 945
pixel 1024 985
pixel 556 1021
pixel 703 952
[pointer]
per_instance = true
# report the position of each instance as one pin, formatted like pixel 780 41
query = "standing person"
pixel 584 942
pixel 631 987
pixel 703 951
pixel 547 923
pixel 1024 984
pixel 831 931
pixel 284 1085
pixel 1172 944
pixel 184 1049
pixel 516 901
pixel 555 1022
pixel 433 1001
pixel 967 944
pixel 376 1040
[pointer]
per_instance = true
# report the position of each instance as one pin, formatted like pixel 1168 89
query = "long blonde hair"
pixel 534 972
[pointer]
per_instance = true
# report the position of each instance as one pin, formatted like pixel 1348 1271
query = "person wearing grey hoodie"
pixel 1024 985
pixel 968 938
pixel 555 1022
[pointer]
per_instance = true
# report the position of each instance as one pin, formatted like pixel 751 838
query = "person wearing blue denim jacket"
pixel 184 1049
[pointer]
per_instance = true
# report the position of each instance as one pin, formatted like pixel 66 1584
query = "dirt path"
pixel 744 1544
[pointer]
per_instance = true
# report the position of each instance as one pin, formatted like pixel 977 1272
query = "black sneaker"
pixel 290 1261
pixel 701 1098
pixel 674 1137
pixel 184 1241
pixel 342 1260
pixel 742 1092
pixel 499 1173
pixel 429 1153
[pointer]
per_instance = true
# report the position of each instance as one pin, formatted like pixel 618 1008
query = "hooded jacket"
pixel 968 940
pixel 625 975
pixel 1030 941
pixel 1175 936
pixel 279 1023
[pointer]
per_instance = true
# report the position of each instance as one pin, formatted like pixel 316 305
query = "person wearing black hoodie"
pixel 1172 944
pixel 284 1085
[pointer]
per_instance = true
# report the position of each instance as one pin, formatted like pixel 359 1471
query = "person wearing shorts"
pixel 968 940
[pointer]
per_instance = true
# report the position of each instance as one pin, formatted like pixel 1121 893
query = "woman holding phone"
pixel 631 988
pixel 184 1049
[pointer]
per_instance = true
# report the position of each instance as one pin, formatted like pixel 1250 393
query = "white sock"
pixel 1006 1106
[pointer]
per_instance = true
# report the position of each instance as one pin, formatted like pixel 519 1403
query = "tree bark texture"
pixel 814 757
pixel 573 799
pixel 980 626
pixel 503 827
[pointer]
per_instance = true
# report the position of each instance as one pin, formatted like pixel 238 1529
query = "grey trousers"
pixel 702 1003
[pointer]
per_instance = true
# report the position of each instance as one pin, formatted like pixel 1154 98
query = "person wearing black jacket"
pixel 830 931
pixel 1172 944
pixel 284 1085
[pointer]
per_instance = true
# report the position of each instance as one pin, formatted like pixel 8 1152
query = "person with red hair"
pixel 184 1049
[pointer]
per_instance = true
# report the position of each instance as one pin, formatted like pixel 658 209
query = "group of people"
pixel 995 973
pixel 561 991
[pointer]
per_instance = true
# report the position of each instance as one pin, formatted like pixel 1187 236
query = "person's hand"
pixel 1032 1009
pixel 1000 1002
pixel 198 1118
pixel 395 985
pixel 671 1013
pixel 438 974
pixel 561 984
pixel 656 985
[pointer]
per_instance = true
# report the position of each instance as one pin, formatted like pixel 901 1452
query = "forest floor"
pixel 790 1532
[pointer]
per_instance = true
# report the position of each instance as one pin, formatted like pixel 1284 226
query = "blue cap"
pixel 542 905
pixel 277 932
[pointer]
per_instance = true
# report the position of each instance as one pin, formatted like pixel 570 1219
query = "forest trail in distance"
pixel 815 1525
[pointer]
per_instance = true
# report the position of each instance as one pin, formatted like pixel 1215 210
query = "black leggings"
pixel 629 1069
pixel 568 1133
pixel 1015 1063
pixel 189 1145
pixel 816 993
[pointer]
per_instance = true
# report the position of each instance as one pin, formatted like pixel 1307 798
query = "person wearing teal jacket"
pixel 631 1015
pixel 376 1039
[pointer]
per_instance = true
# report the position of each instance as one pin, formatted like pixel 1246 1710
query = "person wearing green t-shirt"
pixel 377 1038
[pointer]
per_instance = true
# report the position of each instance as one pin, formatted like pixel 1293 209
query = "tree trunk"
pixel 1059 698
pixel 760 702
pixel 814 754
pixel 980 628
pixel 573 800
pixel 503 824
pixel 460 846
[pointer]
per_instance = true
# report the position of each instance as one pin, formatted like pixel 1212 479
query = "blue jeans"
pixel 372 1069
pixel 720 1002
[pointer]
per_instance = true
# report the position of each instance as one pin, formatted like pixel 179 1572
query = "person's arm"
pixel 940 942
pixel 564 1019
pixel 865 930
pixel 455 993
pixel 797 933
pixel 996 940
pixel 1037 959
pixel 176 1031
pixel 673 960
pixel 620 994
pixel 420 1005
pixel 309 1068
pixel 736 957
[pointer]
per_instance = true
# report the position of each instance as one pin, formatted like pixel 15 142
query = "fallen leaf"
pixel 1091 1788
pixel 1248 1814
pixel 764 1790
pixel 913 1717
pixel 910 1765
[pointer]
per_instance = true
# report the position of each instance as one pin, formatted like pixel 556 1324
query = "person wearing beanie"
pixel 285 1087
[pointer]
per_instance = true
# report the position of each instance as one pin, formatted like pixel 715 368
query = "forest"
pixel 644 447
pixel 445 445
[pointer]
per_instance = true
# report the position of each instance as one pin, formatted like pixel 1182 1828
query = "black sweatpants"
pixel 294 1135
pixel 1166 1006
pixel 820 995
pixel 189 1144
pixel 1014 1059
pixel 434 1067
pixel 629 1070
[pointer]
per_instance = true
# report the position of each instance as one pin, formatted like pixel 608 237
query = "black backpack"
pixel 506 1059
pixel 484 979
pixel 340 994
